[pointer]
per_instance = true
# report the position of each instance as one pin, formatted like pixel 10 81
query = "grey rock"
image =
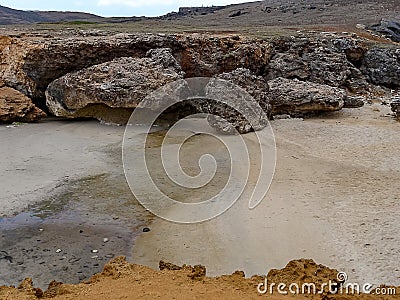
pixel 354 101
pixel 110 91
pixel 248 93
pixel 390 29
pixel 354 48
pixel 297 98
pixel 311 60
pixel 382 66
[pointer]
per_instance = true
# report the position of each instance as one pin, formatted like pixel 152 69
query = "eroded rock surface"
pixel 298 98
pixel 206 56
pixel 354 101
pixel 119 84
pixel 317 60
pixel 31 62
pixel 16 107
pixel 254 105
pixel 382 66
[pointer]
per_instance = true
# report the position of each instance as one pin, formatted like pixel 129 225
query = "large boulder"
pixel 315 60
pixel 382 66
pixel 390 29
pixel 16 107
pixel 120 85
pixel 298 98
pixel 253 97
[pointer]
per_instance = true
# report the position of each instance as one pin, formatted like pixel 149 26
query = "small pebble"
pixel 146 229
pixel 105 240
pixel 41 229
pixel 95 257
pixel 58 250
pixel 95 251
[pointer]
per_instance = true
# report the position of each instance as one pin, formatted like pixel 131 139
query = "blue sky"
pixel 114 7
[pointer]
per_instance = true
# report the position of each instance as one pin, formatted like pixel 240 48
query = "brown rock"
pixel 27 287
pixel 16 107
pixel 305 271
pixel 168 266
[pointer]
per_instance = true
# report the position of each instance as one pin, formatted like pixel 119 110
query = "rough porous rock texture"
pixel 30 62
pixel 382 66
pixel 354 101
pixel 317 60
pixel 206 56
pixel 304 271
pixel 121 83
pixel 227 119
pixel 30 65
pixel 298 98
pixel 16 107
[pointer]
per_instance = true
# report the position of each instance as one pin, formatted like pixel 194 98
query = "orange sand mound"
pixel 121 280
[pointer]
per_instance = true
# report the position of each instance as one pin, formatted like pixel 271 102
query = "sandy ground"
pixel 121 280
pixel 36 158
pixel 63 196
pixel 334 198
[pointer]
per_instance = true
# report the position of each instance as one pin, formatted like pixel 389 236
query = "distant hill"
pixel 251 14
pixel 289 13
pixel 9 16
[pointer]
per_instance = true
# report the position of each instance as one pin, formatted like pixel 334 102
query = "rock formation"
pixel 315 60
pixel 382 66
pixel 298 98
pixel 89 73
pixel 390 29
pixel 121 83
pixel 354 102
pixel 16 107
pixel 255 115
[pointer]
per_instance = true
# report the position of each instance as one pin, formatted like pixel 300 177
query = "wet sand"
pixel 65 205
pixel 334 198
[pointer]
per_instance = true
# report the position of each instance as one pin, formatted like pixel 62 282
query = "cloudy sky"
pixel 114 7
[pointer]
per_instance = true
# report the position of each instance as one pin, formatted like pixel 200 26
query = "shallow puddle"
pixel 72 234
